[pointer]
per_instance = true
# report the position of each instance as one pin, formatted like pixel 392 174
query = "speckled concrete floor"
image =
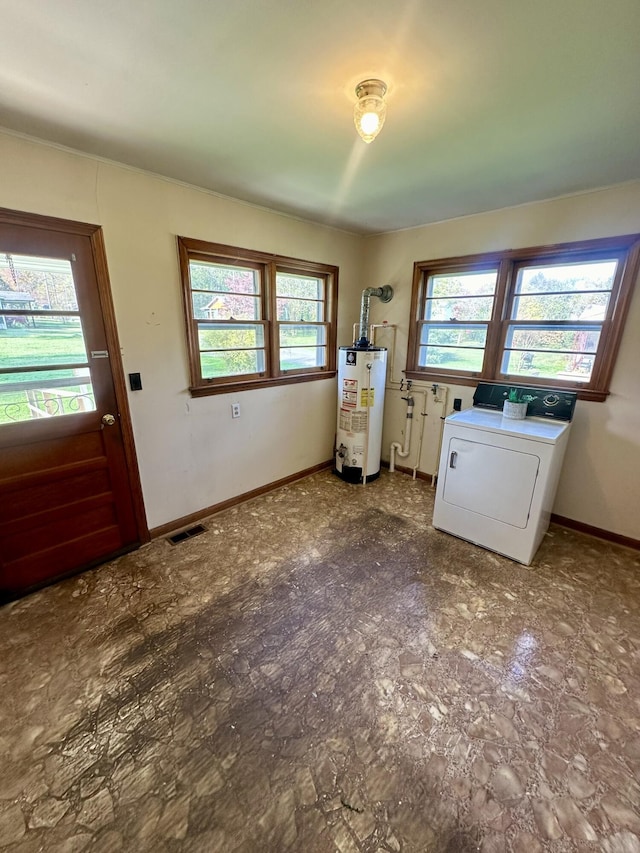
pixel 323 671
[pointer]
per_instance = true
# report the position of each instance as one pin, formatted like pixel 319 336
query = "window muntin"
pixel 455 313
pixel 557 317
pixel 256 319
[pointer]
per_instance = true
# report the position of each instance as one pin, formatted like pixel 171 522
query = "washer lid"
pixel 535 429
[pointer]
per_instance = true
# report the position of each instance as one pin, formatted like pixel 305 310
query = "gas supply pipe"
pixel 435 389
pixel 423 414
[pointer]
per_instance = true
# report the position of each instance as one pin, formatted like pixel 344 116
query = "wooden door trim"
pixel 119 381
pixel 94 232
pixel 46 223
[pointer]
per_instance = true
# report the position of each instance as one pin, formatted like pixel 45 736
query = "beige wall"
pixel 600 483
pixel 191 453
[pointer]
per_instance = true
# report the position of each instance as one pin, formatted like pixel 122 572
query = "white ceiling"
pixel 491 103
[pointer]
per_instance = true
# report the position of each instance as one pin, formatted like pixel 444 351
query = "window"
pixel 44 364
pixel 256 319
pixel 549 316
pixel 455 319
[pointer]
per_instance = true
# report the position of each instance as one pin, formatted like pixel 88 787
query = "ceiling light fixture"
pixel 370 110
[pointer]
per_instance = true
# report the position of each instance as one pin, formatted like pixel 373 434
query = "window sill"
pixel 443 378
pixel 452 379
pixel 253 384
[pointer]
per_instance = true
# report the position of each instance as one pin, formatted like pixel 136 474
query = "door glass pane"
pixel 42 341
pixel 36 284
pixel 44 394
pixel 28 339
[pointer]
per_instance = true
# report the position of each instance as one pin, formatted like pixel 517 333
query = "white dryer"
pixel 497 477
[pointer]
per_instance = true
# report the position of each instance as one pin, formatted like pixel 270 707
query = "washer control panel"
pixel 545 403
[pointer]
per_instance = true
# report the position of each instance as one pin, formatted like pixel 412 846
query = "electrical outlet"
pixel 235 410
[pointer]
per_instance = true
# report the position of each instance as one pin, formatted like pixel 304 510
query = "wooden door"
pixel 69 486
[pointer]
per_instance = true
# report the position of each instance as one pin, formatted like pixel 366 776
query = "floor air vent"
pixel 186 534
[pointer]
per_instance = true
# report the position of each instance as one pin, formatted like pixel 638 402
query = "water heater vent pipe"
pixel 385 294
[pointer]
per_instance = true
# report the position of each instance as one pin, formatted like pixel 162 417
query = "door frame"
pixel 98 250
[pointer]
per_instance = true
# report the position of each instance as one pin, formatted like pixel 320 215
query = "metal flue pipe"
pixel 385 294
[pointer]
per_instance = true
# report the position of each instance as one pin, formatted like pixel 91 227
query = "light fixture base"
pixel 374 87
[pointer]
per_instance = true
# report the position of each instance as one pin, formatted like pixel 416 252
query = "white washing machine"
pixel 497 477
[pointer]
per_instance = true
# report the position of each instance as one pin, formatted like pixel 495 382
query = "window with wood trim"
pixel 550 316
pixel 255 319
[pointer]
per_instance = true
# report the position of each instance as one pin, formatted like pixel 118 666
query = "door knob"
pixel 108 420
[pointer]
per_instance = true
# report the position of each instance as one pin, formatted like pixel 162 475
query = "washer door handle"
pixel 452 458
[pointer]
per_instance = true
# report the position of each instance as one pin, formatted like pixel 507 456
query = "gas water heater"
pixel 362 373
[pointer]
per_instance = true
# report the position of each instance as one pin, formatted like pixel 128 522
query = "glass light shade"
pixel 370 110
